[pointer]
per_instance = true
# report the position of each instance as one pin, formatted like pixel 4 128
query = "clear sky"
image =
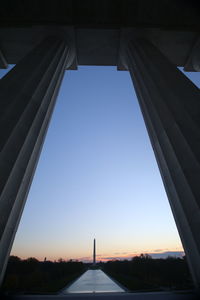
pixel 96 177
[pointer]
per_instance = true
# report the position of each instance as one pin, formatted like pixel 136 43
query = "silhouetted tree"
pixel 143 272
pixel 31 275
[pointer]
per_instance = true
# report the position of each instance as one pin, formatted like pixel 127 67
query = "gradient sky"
pixel 96 177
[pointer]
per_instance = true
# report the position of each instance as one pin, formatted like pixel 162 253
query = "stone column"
pixel 27 97
pixel 170 105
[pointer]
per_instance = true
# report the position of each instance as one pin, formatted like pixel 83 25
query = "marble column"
pixel 170 104
pixel 27 98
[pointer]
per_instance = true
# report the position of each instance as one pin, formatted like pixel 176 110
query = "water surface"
pixel 94 281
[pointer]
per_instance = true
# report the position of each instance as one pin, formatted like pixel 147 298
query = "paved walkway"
pixel 93 281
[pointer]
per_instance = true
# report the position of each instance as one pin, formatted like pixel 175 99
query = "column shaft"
pixel 27 97
pixel 170 104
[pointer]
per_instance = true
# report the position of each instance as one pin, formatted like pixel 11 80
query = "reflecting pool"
pixel 93 281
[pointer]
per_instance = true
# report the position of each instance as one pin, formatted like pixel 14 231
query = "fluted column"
pixel 27 97
pixel 170 104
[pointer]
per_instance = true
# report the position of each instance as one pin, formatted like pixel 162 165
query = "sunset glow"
pixel 97 177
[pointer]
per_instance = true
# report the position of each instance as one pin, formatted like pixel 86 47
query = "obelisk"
pixel 94 253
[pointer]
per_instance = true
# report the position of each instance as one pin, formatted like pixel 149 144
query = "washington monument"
pixel 94 253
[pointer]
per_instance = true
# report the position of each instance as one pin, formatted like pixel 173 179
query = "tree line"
pixel 33 276
pixel 145 273
pixel 142 273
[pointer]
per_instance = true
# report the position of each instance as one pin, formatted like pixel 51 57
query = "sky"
pixel 97 177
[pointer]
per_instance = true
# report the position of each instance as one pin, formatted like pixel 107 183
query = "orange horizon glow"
pixel 108 257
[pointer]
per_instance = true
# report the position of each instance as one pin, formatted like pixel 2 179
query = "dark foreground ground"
pixel 141 274
pixel 126 296
pixel 146 278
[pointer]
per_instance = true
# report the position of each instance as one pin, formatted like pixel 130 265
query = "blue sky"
pixel 96 177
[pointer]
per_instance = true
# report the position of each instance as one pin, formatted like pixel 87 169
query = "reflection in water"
pixel 94 281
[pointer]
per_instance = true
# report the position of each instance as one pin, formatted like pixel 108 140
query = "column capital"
pixel 67 34
pixel 193 61
pixel 126 34
pixel 129 34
